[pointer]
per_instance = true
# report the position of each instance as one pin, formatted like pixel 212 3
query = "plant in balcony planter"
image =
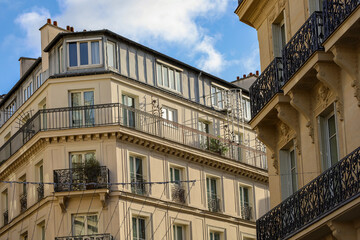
pixel 92 171
pixel 217 146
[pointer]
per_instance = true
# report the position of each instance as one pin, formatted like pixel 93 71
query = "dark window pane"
pixel 72 54
pixel 84 60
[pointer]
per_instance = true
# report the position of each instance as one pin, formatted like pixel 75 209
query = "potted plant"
pixel 217 146
pixel 92 170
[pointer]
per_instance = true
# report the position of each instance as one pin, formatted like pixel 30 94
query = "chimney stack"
pixel 250 74
pixel 68 27
pixel 49 20
pixel 244 76
pixel 237 78
pixel 257 72
pixel 72 29
pixel 55 23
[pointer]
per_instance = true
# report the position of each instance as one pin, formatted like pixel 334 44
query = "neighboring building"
pixel 246 81
pixel 306 109
pixel 96 97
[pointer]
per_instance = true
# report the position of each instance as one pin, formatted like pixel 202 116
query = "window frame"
pixel 85 228
pixel 160 77
pixel 89 55
pixel 137 217
pixel 110 42
pixel 250 199
pixel 214 96
pixel 278 33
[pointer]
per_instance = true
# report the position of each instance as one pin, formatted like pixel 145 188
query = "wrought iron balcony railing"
pixel 335 12
pixel 331 190
pixel 118 114
pixel 81 178
pixel 266 86
pixel 246 212
pixel 214 204
pixel 40 191
pixel 23 202
pixel 178 193
pixel 139 186
pixel 306 41
pixel 5 217
pixel 104 236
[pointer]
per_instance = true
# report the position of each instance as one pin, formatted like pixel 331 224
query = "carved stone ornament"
pixel 356 85
pixel 339 109
pixel 323 95
pixel 275 163
pixel 297 146
pixel 284 131
pixel 156 109
pixel 311 131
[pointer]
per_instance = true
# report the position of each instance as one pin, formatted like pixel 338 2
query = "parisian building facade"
pixel 306 109
pixel 103 138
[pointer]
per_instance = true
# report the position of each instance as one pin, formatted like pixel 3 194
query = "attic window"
pixel 84 53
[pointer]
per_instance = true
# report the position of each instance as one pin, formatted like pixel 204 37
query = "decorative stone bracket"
pixel 329 75
pixel 343 231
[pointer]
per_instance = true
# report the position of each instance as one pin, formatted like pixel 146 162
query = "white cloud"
pixel 250 63
pixel 157 21
pixel 31 22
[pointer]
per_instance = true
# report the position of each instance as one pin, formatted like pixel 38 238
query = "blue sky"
pixel 204 33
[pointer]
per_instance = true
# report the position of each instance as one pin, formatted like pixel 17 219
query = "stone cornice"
pixel 135 137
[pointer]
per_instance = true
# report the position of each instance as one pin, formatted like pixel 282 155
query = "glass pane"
pixel 177 174
pixel 41 174
pixel 171 174
pixel 141 229
pixel 333 150
pixel 139 167
pixel 171 115
pixel 132 173
pixel 179 233
pixel 76 159
pixel 171 79
pixel 95 53
pixel 89 113
pixel 72 54
pixel 134 222
pixel 331 124
pixel 75 99
pixel 78 225
pixel 92 225
pixel 174 231
pixel 89 156
pixel 88 98
pixel 111 54
pixel 241 196
pixel 84 58
pixel 293 180
pixel 246 196
pixel 178 82
pixel 213 187
pixel 165 76
pixel 159 75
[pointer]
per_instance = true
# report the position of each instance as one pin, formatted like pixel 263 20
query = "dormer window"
pixel 168 77
pixel 84 53
pixel 217 97
pixel 10 110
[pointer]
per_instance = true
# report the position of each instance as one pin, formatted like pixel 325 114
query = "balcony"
pixel 23 202
pixel 335 12
pixel 81 178
pixel 331 190
pixel 178 193
pixel 246 212
pixel 116 114
pixel 266 86
pixel 139 186
pixel 305 42
pixel 6 217
pixel 40 191
pixel 214 204
pixel 104 236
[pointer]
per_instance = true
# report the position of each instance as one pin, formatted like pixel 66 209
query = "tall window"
pixel 137 175
pixel 40 178
pixel 10 110
pixel 5 207
pixel 82 117
pixel 78 159
pixel 177 191
pixel 111 54
pixel 329 140
pixel 23 194
pixel 129 110
pixel 204 140
pixel 246 109
pixel 215 235
pixel 28 91
pixel 279 35
pixel 212 194
pixel 179 232
pixel 245 204
pixel 288 171
pixel 237 151
pixel 84 53
pixel 138 228
pixel 217 97
pixel 39 80
pixel 168 77
pixel 169 114
pixel 84 224
pixel 41 230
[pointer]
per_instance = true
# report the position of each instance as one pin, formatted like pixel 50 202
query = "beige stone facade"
pixel 306 109
pixel 96 95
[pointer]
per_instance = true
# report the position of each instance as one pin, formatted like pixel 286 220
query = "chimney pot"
pixel 68 27
pixel 237 78
pixel 55 23
pixel 244 76
pixel 250 74
pixel 257 72
pixel 49 20
pixel 72 29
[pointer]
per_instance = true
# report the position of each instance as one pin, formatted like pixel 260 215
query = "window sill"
pixel 85 66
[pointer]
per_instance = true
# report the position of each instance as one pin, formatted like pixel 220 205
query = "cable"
pixel 128 209
pixel 92 197
pixel 47 220
pixel 77 211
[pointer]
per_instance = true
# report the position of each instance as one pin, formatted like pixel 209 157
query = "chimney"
pixel 48 33
pixel 72 29
pixel 244 76
pixel 257 72
pixel 237 78
pixel 250 74
pixel 25 64
pixel 68 27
